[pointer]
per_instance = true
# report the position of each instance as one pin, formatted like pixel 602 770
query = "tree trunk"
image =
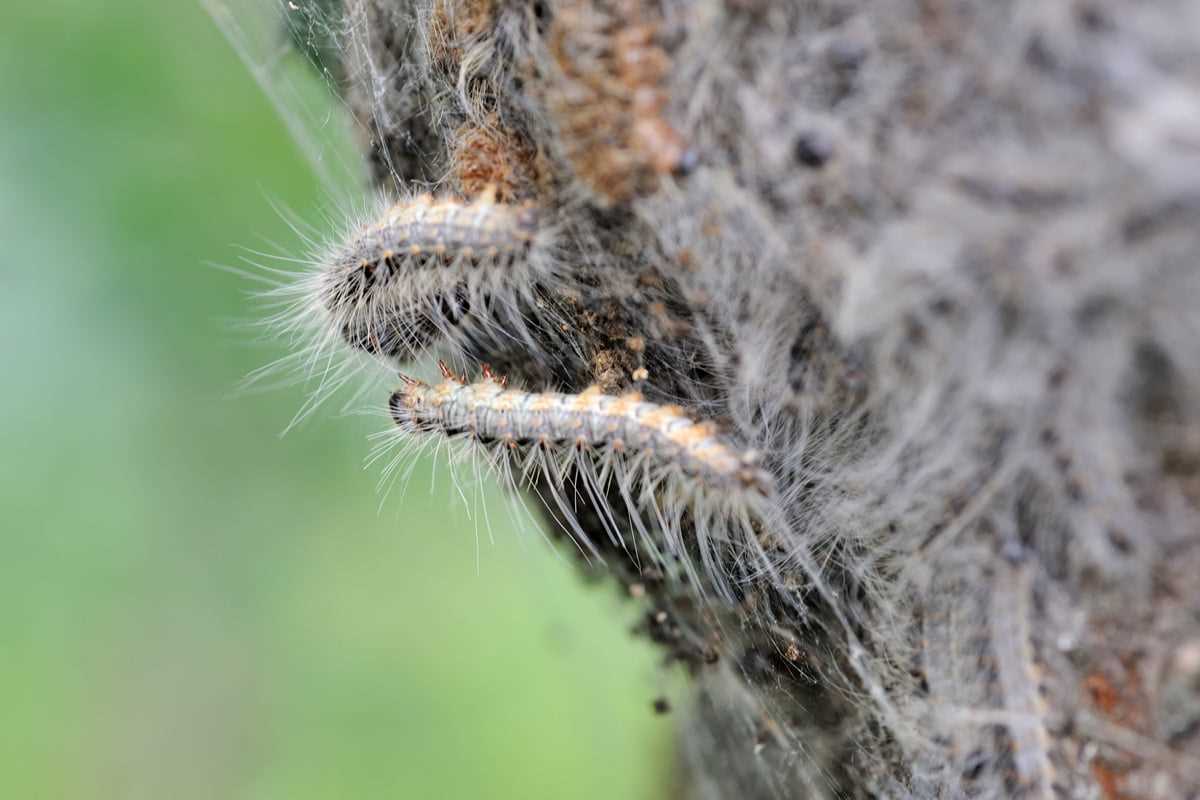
pixel 931 265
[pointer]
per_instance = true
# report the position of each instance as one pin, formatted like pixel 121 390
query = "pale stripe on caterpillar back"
pixel 664 470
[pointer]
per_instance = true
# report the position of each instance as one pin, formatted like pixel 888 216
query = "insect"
pixel 1016 672
pixel 608 98
pixel 488 157
pixel 409 278
pixel 668 472
pixel 421 273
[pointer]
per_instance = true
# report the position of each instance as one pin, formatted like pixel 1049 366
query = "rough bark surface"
pixel 937 262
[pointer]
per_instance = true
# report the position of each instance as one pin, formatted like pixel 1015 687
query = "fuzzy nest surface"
pixel 936 263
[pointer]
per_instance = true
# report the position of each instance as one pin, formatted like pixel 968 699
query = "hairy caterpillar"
pixel 421 273
pixel 428 264
pixel 608 100
pixel 1016 673
pixel 488 156
pixel 663 466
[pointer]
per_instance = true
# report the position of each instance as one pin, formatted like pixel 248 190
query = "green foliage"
pixel 191 606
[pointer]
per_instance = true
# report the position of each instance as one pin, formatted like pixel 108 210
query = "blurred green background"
pixel 190 605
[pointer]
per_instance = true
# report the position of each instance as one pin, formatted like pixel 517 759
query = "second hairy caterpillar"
pixel 412 276
pixel 418 274
pixel 630 458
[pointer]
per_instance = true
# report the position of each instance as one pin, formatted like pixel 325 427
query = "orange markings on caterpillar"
pixel 490 412
pixel 693 499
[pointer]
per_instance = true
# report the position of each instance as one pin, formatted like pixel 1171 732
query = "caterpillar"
pixel 608 99
pixel 421 273
pixel 430 264
pixel 651 463
pixel 1016 673
pixel 488 157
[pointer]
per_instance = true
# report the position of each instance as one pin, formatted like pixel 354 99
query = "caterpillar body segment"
pixel 650 464
pixel 447 229
pixel 493 412
pixel 426 268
